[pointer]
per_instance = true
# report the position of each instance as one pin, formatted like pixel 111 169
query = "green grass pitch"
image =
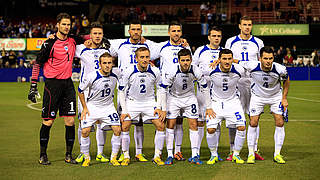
pixel 19 145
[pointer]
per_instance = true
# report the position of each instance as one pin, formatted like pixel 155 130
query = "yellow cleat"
pixel 251 159
pixel 237 159
pixel 125 162
pixel 102 158
pixel 121 158
pixel 158 161
pixel 114 162
pixel 213 160
pixel 86 161
pixel 141 158
pixel 279 159
pixel 80 158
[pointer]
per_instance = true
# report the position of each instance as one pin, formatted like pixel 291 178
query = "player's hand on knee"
pixel 284 103
pixel 84 113
pixel 214 64
pixel 210 113
pixel 33 93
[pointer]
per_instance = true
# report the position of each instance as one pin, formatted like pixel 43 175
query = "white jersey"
pixel 265 84
pixel 204 55
pixel 89 59
pixel 140 85
pixel 101 88
pixel 125 50
pixel 224 84
pixel 168 55
pixel 245 50
pixel 182 84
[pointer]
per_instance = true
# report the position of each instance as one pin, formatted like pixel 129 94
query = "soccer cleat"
pixel 114 162
pixel 80 158
pixel 86 161
pixel 279 159
pixel 121 157
pixel 251 159
pixel 125 162
pixel 237 159
pixel 141 158
pixel 158 161
pixel 169 161
pixel 195 160
pixel 179 157
pixel 219 158
pixel 213 160
pixel 69 159
pixel 229 157
pixel 258 156
pixel 44 160
pixel 102 158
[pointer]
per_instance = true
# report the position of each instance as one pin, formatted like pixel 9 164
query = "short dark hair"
pixel 106 54
pixel 95 25
pixel 134 21
pixel 140 49
pixel 266 49
pixel 184 52
pixel 63 16
pixel 174 23
pixel 245 18
pixel 225 51
pixel 214 28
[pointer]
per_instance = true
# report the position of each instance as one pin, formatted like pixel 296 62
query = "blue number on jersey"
pixel 238 116
pixel 265 84
pixel 143 88
pixel 184 86
pixel 133 59
pixel 245 56
pixel 114 117
pixel 193 108
pixel 175 60
pixel 225 86
pixel 97 64
pixel 105 92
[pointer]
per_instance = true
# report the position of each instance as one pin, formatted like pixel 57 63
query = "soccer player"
pixel 168 53
pixel 203 57
pixel 125 50
pixel 98 106
pixel 181 96
pixel 266 90
pixel 89 58
pixel 140 80
pixel 226 104
pixel 56 57
pixel 245 47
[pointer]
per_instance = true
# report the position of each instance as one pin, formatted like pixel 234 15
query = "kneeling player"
pixel 140 80
pixel 99 107
pixel 226 104
pixel 266 90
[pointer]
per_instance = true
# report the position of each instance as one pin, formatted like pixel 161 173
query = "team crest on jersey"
pixel 142 80
pixel 96 56
pixel 106 85
pixel 253 110
pixel 244 48
pixel 184 80
pixel 53 113
pixel 265 79
pixel 224 80
pixel 214 56
pixel 66 48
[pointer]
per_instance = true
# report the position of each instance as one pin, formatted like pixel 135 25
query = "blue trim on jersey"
pixel 82 74
pixel 204 85
pixel 114 75
pixel 98 77
pixel 238 39
pixel 254 41
pixel 149 70
pixel 169 44
pixel 234 41
pixel 178 71
pixel 128 42
pixel 205 48
pixel 215 70
pixel 121 88
pixel 191 70
pixel 252 85
pixel 257 68
pixel 135 70
pixel 274 69
pixel 233 69
pixel 163 86
pixel 83 50
pixel 80 90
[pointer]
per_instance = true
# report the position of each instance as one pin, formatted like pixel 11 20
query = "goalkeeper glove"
pixel 105 44
pixel 33 93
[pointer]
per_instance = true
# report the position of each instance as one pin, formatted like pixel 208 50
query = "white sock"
pixel 178 135
pixel 201 133
pixel 251 139
pixel 169 141
pixel 101 138
pixel 125 143
pixel 232 135
pixel 238 142
pixel 218 132
pixel 85 145
pixel 115 143
pixel 138 138
pixel 194 137
pixel 257 139
pixel 158 143
pixel 279 135
pixel 79 134
pixel 212 143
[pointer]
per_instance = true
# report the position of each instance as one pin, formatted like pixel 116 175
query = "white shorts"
pixel 189 106
pixel 201 102
pixel 229 110
pixel 108 117
pixel 257 104
pixel 245 93
pixel 144 109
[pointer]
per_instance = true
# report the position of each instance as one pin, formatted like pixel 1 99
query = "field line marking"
pixel 34 108
pixel 303 99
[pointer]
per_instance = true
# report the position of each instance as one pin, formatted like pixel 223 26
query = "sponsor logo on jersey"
pixel 66 48
pixel 142 75
pixel 53 113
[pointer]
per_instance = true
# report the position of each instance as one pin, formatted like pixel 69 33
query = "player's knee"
pixel 279 123
pixel 117 131
pixel 241 128
pixel 85 132
pixel 179 120
pixel 160 127
pixel 211 130
pixel 200 123
pixel 253 123
pixel 48 122
pixel 193 125
pixel 171 124
pixel 69 121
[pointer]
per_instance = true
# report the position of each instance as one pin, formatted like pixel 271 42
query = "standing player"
pixel 56 57
pixel 125 50
pixel 226 104
pixel 98 106
pixel 168 53
pixel 140 80
pixel 203 57
pixel 245 47
pixel 266 90
pixel 89 58
pixel 181 96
